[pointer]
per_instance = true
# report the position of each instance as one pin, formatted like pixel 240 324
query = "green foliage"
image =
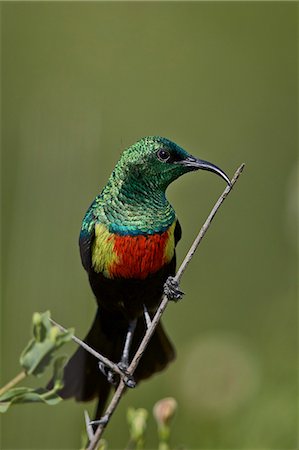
pixel 41 395
pixel 40 350
pixel 163 412
pixel 102 445
pixel 137 419
pixel 35 359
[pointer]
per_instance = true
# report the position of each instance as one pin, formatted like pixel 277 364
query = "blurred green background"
pixel 82 81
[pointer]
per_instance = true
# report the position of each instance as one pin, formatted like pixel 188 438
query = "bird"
pixel 127 245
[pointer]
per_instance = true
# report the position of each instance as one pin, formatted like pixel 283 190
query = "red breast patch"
pixel 139 256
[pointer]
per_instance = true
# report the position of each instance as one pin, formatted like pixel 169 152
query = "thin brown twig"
pixel 121 387
pixel 88 425
pixel 89 349
pixel 17 379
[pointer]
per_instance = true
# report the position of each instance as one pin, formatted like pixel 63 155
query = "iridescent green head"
pixel 133 201
pixel 157 160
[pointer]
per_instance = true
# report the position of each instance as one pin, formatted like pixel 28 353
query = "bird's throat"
pixel 137 210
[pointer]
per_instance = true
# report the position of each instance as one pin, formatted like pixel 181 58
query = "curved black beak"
pixel 196 164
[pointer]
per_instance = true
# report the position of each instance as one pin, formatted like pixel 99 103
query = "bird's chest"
pixel 131 257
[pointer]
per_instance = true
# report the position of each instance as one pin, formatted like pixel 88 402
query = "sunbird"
pixel 127 246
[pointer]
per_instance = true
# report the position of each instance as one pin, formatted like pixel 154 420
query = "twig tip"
pixel 88 426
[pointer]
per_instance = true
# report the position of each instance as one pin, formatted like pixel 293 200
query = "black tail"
pixel 82 377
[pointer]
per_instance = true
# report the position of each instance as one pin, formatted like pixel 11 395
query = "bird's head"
pixel 160 161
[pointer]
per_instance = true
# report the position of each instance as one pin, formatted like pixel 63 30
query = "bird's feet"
pixel 113 378
pixel 171 290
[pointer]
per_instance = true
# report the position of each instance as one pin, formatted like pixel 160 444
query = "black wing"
pixel 85 244
pixel 177 232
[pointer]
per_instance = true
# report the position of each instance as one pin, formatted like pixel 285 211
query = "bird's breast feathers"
pixel 128 256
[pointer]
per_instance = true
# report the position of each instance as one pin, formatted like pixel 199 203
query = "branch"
pixel 89 349
pixel 121 387
pixel 13 382
pixel 88 426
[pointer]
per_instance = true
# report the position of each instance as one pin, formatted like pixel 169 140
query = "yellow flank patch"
pixel 103 254
pixel 169 247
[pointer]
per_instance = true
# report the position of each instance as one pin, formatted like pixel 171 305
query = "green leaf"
pixel 41 395
pixel 40 350
pixel 137 420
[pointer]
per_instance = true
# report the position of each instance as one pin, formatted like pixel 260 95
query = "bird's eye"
pixel 163 155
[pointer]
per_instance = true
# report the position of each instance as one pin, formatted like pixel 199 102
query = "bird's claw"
pixel 123 366
pixel 108 373
pixel 113 378
pixel 128 379
pixel 171 289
